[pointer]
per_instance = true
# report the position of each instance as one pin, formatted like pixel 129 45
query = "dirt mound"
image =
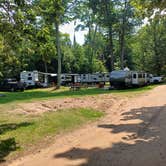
pixel 100 102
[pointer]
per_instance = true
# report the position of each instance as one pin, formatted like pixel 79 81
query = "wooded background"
pixel 117 36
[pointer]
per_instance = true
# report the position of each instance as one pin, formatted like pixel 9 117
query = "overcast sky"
pixel 69 28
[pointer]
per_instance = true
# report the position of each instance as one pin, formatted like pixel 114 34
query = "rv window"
pixel 29 78
pixel 117 74
pixel 134 76
pixel 29 74
pixel 139 75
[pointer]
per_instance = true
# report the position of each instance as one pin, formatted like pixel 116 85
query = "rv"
pixel 125 78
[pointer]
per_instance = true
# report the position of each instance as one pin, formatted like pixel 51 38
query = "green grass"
pixel 40 94
pixel 18 132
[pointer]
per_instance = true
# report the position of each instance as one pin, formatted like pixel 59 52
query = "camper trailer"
pixel 29 78
pixel 40 79
pixel 125 78
pixel 37 79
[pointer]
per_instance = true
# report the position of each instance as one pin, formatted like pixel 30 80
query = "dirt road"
pixel 132 134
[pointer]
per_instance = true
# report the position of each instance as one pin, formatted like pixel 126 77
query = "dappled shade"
pixel 9 145
pixel 6 147
pixel 12 126
pixel 147 137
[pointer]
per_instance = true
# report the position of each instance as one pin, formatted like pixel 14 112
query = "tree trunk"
pixel 111 47
pixel 59 56
pixel 109 24
pixel 92 48
pixel 122 37
pixel 122 46
pixel 45 67
pixel 90 45
pixel 155 49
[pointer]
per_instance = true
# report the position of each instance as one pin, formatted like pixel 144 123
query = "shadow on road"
pixel 141 144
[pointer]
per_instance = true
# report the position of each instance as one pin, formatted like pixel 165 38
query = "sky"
pixel 69 28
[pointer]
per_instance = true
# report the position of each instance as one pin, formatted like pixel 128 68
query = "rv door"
pixel 135 78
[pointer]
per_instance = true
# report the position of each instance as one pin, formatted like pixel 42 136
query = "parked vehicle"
pixel 155 79
pixel 40 79
pixel 29 78
pixel 11 85
pixel 36 79
pixel 121 78
pixel 126 78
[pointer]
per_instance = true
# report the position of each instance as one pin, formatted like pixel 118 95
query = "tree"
pixel 54 13
pixel 105 11
pixel 149 46
pixel 125 29
pixel 147 7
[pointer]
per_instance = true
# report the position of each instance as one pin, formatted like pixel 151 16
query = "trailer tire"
pixel 156 81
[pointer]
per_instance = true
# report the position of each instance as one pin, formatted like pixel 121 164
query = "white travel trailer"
pixel 40 79
pixel 139 78
pixel 35 78
pixel 94 78
pixel 29 78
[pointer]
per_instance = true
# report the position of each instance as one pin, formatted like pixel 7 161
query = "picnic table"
pixel 75 87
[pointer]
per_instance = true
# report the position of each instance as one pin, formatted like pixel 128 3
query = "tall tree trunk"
pixel 46 71
pixel 122 47
pixel 90 45
pixel 111 47
pixel 74 38
pixel 122 37
pixel 155 49
pixel 59 55
pixel 93 41
pixel 109 24
pixel 45 67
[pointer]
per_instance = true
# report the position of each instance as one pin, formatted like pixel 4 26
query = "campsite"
pixel 82 83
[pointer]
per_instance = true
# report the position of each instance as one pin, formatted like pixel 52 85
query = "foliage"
pixel 116 36
pixel 150 54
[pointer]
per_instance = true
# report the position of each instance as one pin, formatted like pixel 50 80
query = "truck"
pixel 11 85
pixel 155 79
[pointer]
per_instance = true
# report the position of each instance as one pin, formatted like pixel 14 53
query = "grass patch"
pixel 17 132
pixel 40 94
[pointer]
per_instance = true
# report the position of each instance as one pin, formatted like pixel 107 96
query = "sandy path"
pixel 132 134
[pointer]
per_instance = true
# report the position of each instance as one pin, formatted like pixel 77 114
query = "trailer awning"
pixel 53 75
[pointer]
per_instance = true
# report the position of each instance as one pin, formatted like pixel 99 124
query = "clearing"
pixel 131 133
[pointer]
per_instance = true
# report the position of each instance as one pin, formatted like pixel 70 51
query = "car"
pixel 156 79
pixel 11 85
